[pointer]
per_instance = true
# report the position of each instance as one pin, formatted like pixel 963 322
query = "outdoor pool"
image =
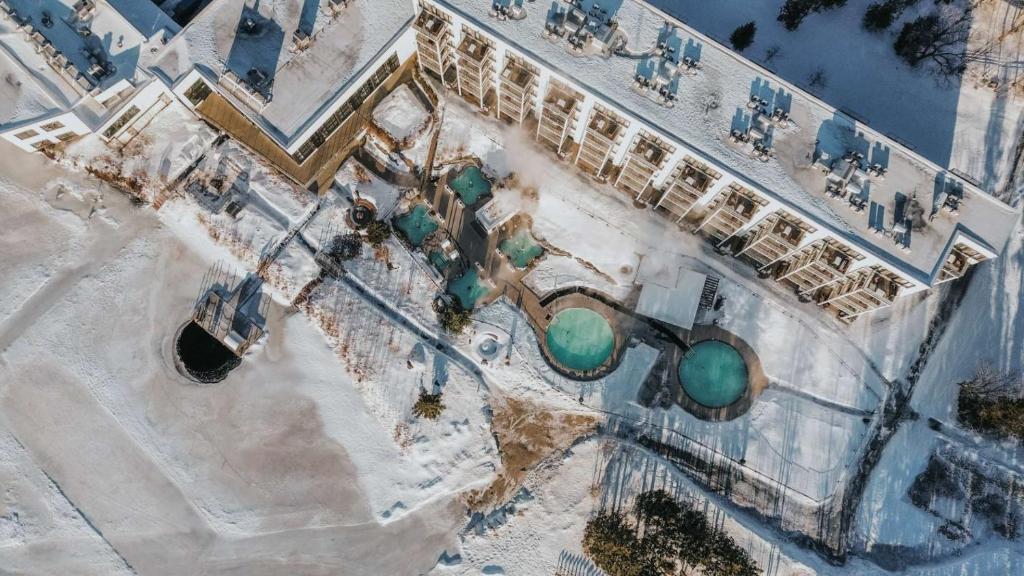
pixel 204 357
pixel 713 374
pixel 416 224
pixel 468 289
pixel 521 248
pixel 580 339
pixel 471 185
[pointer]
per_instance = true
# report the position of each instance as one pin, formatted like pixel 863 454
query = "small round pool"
pixel 713 374
pixel 580 339
pixel 205 358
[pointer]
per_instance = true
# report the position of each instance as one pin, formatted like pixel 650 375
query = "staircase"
pixel 707 295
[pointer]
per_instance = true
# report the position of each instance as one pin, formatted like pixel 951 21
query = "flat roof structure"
pixel 715 98
pixel 102 45
pixel 302 84
pixel 22 99
pixel 676 305
pixel 146 17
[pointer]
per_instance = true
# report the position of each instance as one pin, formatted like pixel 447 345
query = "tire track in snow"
pixel 107 245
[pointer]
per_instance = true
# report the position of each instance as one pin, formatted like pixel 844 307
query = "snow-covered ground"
pixel 948 120
pixel 402 115
pixel 114 463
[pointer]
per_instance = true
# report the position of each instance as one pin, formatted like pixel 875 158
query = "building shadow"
pixel 256 50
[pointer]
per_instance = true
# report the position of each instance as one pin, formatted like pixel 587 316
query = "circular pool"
pixel 580 339
pixel 713 374
pixel 205 358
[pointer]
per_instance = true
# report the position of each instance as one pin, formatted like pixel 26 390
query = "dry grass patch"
pixel 526 434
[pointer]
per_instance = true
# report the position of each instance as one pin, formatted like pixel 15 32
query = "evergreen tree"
pixel 455 320
pixel 743 36
pixel 428 406
pixel 377 232
pixel 793 12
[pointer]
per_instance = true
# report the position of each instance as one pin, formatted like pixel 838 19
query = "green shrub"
pixel 428 406
pixel 377 232
pixel 455 320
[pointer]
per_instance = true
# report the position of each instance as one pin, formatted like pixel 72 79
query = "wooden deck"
pixel 317 172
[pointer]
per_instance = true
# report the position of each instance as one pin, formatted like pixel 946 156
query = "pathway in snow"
pixel 108 241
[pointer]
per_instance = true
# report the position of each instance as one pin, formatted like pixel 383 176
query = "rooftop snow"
pixel 302 84
pixel 22 99
pixel 110 37
pixel 714 101
pixel 145 17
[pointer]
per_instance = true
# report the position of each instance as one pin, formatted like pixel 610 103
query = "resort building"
pixel 296 84
pixel 847 216
pixel 77 67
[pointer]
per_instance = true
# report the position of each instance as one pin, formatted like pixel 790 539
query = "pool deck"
pixel 541 316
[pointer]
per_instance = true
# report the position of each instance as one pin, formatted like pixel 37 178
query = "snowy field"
pixel 116 461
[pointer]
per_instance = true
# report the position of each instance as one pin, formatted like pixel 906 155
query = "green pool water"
pixel 439 260
pixel 468 289
pixel 470 185
pixel 416 224
pixel 580 339
pixel 713 374
pixel 520 248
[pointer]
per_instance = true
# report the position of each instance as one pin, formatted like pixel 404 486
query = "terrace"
pixel 603 132
pixel 433 34
pixel 515 91
pixel 557 115
pixel 690 180
pixel 867 290
pixel 775 238
pixel 475 59
pixel 817 265
pixel 647 157
pixel 729 213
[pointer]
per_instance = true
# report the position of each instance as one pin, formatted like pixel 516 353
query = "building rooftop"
pixel 146 17
pixel 715 98
pixel 100 43
pixel 243 35
pixel 22 99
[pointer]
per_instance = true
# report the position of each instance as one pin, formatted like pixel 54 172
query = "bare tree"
pixel 938 40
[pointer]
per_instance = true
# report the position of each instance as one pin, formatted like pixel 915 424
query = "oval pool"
pixel 713 374
pixel 580 339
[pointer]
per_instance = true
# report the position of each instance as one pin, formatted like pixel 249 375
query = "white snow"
pixel 402 115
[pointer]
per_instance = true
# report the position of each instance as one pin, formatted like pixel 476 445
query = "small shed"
pixel 676 305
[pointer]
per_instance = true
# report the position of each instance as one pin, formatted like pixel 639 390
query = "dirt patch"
pixel 526 434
